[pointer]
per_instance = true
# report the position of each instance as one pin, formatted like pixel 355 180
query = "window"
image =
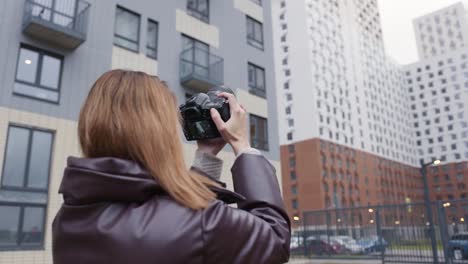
pixel 294 190
pixel 199 9
pixel 196 56
pixel 292 162
pixel 294 204
pixel 292 174
pixel 24 187
pixel 256 77
pixel 152 39
pixel 127 29
pixel 254 33
pixel 258 132
pixel 38 74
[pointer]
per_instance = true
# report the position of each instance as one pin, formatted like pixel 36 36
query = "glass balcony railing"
pixel 60 22
pixel 200 70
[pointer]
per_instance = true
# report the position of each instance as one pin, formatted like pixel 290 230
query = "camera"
pixel 197 122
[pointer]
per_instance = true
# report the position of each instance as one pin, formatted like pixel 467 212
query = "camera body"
pixel 197 122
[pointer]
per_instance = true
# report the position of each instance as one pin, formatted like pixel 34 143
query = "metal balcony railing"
pixel 60 22
pixel 200 70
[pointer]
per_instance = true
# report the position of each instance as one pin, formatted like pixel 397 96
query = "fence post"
pixel 304 236
pixel 379 232
pixel 430 216
pixel 442 219
pixel 327 216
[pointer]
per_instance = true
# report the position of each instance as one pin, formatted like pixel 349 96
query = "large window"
pixel 127 29
pixel 38 74
pixel 256 80
pixel 196 55
pixel 254 33
pixel 199 9
pixel 152 39
pixel 258 132
pixel 24 187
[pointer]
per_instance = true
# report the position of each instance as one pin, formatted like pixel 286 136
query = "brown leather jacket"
pixel 115 212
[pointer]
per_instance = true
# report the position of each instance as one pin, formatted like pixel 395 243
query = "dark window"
pixel 254 33
pixel 258 132
pixel 196 56
pixel 25 178
pixel 292 162
pixel 294 204
pixel 256 77
pixel 127 29
pixel 290 136
pixel 294 190
pixel 38 74
pixel 292 174
pixel 199 9
pixel 152 39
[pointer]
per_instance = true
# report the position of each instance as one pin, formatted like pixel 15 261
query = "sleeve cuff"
pixel 208 164
pixel 249 151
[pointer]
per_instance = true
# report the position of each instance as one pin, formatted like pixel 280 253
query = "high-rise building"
pixel 53 51
pixel 441 31
pixel 437 85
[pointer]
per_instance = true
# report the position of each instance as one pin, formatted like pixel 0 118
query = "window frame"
pixel 196 12
pixel 252 41
pixel 125 38
pixel 254 89
pixel 30 129
pixel 262 144
pixel 37 82
pixel 19 246
pixel 24 204
pixel 155 49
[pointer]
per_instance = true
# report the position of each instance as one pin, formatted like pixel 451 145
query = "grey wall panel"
pixel 83 65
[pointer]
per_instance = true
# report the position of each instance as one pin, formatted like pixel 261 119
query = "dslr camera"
pixel 197 122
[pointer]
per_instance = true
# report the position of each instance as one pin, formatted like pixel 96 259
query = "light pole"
pixel 429 208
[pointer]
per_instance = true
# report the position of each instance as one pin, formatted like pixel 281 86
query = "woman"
pixel 132 200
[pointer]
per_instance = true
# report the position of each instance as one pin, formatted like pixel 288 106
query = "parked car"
pixel 372 244
pixel 296 244
pixel 320 247
pixel 458 246
pixel 348 243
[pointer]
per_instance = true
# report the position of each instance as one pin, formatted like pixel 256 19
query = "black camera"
pixel 196 115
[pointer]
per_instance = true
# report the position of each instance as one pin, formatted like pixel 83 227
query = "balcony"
pixel 59 22
pixel 200 70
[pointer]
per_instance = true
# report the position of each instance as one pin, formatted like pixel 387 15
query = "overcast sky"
pixel 397 17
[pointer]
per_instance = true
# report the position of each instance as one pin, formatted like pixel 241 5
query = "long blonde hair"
pixel 133 115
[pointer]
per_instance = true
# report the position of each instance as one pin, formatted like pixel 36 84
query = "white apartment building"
pixel 335 81
pixel 441 31
pixel 438 85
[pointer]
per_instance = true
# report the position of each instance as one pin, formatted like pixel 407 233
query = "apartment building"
pixel 345 129
pixel 437 85
pixel 53 50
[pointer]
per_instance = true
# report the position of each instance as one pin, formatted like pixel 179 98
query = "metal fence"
pixel 399 233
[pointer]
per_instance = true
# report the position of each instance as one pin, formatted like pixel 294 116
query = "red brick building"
pixel 318 174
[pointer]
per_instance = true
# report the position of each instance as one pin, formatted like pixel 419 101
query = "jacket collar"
pixel 107 179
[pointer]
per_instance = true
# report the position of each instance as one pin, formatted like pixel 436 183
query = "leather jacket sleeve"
pixel 258 231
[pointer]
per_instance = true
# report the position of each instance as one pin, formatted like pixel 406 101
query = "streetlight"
pixel 429 207
pixel 296 218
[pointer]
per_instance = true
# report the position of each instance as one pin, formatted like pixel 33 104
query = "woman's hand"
pixel 235 130
pixel 211 146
